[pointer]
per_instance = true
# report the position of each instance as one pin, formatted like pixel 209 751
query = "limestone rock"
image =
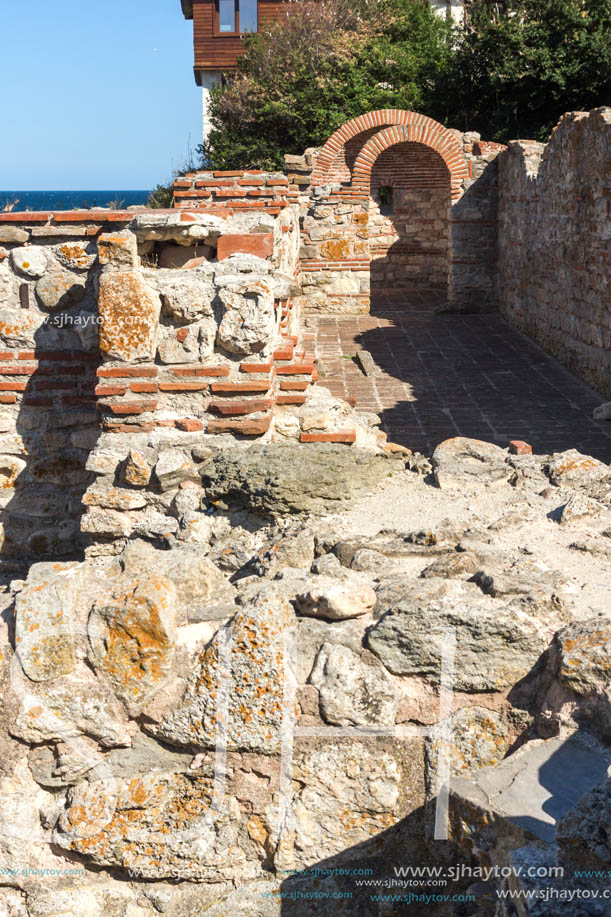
pixel 349 796
pixel 76 256
pixel 451 566
pixel 603 411
pixel 496 645
pixel 138 468
pixel 150 226
pixel 129 314
pixel 579 506
pixel 13 235
pixel 256 671
pixel 199 584
pixel 187 296
pixel 579 472
pixel 18 327
pixel 478 737
pixel 72 706
pixel 132 638
pixel 585 655
pixel 352 693
pixel 459 461
pixel 327 598
pixel 110 497
pixel 44 620
pixel 11 468
pixel 173 468
pixel 30 261
pixel 119 249
pixel 159 824
pixel 60 290
pixel 584 833
pixel 249 321
pixel 281 478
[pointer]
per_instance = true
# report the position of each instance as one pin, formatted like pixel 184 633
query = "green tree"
pixel 519 66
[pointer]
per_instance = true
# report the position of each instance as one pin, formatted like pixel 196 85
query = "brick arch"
pixel 400 126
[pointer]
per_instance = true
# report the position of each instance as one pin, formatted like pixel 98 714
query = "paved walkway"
pixel 443 375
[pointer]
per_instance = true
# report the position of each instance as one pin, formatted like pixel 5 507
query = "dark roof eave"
pixel 187 8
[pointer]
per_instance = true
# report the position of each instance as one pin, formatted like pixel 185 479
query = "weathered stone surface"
pixel 172 468
pixel 30 261
pixel 584 833
pixel 349 796
pixel 479 737
pixel 109 497
pixel 13 235
pixel 11 468
pixel 44 620
pixel 578 506
pixel 76 256
pixel 496 645
pixel 119 249
pixel 132 637
pixel 351 692
pixel 458 462
pixel 138 468
pixel 327 598
pixel 256 687
pixel 585 655
pixel 577 471
pixel 603 411
pixel 186 296
pixel 72 706
pixel 156 824
pixel 187 345
pixel 161 227
pixel 199 583
pixel 18 326
pixel 452 566
pixel 129 314
pixel 248 323
pixel 282 478
pixel 60 290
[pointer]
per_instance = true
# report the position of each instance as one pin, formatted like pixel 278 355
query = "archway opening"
pixel 409 226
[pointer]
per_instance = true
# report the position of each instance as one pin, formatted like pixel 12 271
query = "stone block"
pixel 129 314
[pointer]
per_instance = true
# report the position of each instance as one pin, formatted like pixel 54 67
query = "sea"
pixel 69 200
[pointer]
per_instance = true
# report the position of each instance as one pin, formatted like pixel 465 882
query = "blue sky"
pixel 95 95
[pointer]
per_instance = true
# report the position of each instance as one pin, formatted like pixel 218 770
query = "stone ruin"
pixel 225 592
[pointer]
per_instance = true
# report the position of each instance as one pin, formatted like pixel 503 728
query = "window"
pixel 227 15
pixel 236 16
pixel 385 198
pixel 248 15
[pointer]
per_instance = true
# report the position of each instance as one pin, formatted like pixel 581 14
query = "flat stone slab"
pixel 537 785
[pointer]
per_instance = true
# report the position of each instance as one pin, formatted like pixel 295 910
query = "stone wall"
pixel 554 243
pixel 443 236
pixel 130 323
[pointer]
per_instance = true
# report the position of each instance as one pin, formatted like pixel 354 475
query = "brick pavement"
pixel 443 375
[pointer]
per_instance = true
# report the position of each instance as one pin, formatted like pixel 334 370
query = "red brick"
pixel 241 407
pixel 80 399
pixel 8 399
pixel 251 181
pixel 144 387
pixel 13 386
pixel 242 426
pixel 202 371
pixel 188 266
pixel 37 216
pixel 37 401
pixel 237 387
pixel 123 372
pixel 132 407
pixel 256 367
pixel 272 182
pixel 128 427
pixel 228 174
pixel 66 386
pixel 255 243
pixel 95 216
pixel 182 333
pixel 295 369
pixel 26 355
pixel 519 447
pixel 6 355
pixel 291 386
pixel 284 353
pixel 106 390
pixel 290 399
pixel 189 426
pixel 183 386
pixel 345 436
